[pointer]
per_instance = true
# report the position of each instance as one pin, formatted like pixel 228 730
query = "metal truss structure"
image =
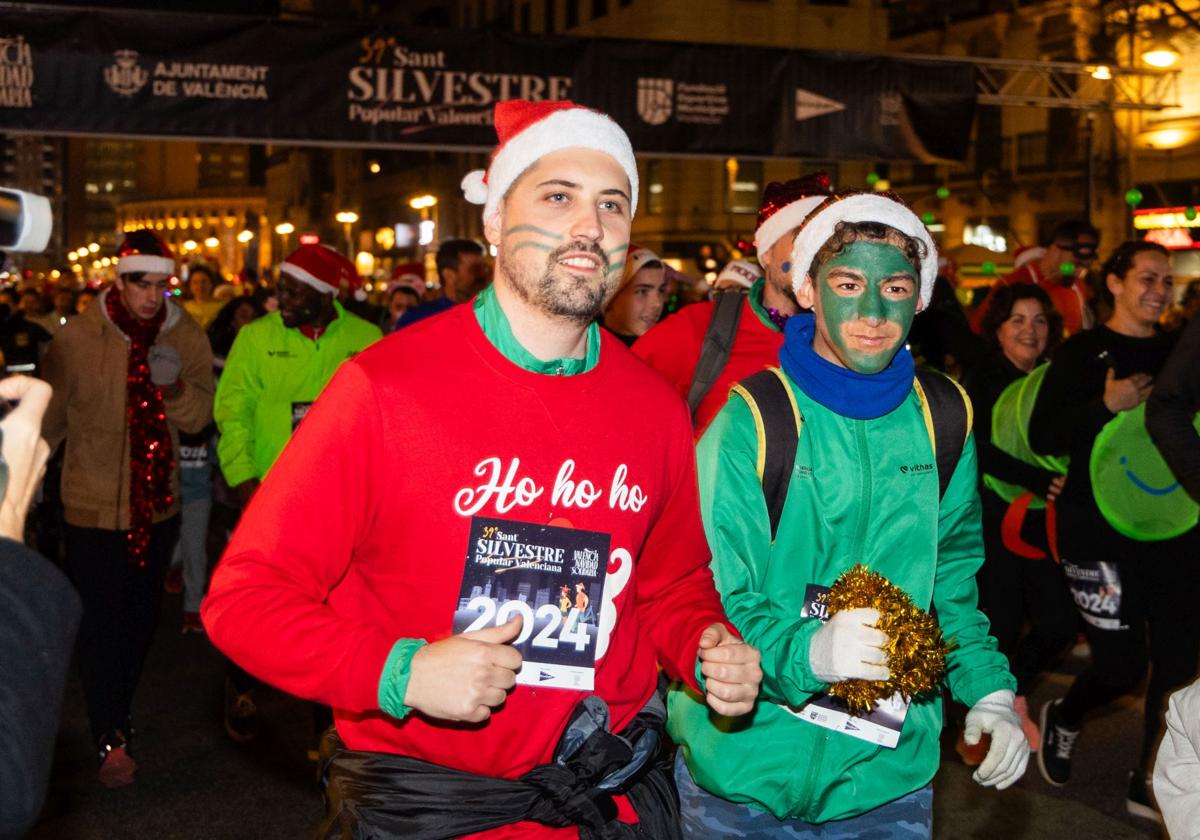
pixel 1064 84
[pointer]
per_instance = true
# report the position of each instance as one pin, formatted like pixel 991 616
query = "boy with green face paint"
pixel 863 489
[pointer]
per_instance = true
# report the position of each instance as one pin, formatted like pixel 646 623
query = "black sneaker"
pixel 241 714
pixel 1140 801
pixel 1054 757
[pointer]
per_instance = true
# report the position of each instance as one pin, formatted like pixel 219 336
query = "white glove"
pixel 165 364
pixel 849 647
pixel 1009 753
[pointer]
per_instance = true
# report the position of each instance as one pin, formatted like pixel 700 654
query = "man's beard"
pixel 556 292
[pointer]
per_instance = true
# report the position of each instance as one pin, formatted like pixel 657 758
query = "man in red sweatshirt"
pixel 676 348
pixel 415 588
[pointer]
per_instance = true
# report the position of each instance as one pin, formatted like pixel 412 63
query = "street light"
pixel 1161 54
pixel 284 230
pixel 245 235
pixel 427 229
pixel 347 218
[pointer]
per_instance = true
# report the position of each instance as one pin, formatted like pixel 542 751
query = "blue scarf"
pixel 863 396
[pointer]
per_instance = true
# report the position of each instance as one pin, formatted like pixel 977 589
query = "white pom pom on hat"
pixel 528 131
pixel 861 207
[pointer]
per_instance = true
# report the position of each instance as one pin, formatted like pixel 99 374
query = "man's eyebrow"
pixel 559 183
pixel 615 191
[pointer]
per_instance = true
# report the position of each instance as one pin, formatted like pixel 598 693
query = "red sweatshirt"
pixel 359 535
pixel 673 349
pixel 1070 301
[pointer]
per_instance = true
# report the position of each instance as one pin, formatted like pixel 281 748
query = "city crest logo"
pixel 126 77
pixel 655 98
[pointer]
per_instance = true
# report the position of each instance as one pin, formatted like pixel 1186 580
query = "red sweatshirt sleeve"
pixel 672 348
pixel 266 606
pixel 677 598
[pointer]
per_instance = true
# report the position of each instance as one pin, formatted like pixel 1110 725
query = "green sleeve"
pixel 238 392
pixel 393 682
pixel 975 668
pixel 739 534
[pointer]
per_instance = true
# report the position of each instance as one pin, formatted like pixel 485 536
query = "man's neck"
pixel 544 336
pixel 774 298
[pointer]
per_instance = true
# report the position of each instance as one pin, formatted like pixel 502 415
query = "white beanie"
pixel 861 207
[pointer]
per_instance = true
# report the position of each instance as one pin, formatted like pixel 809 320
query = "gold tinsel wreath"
pixel 916 651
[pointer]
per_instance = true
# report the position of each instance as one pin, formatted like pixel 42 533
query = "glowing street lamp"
pixel 284 230
pixel 427 229
pixel 347 219
pixel 245 235
pixel 1161 54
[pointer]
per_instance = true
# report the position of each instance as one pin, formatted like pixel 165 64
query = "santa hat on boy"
pixel 639 256
pixel 785 205
pixel 411 275
pixel 321 267
pixel 529 131
pixel 144 252
pixel 884 208
pixel 741 273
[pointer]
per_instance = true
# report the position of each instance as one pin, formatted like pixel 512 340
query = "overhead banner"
pixel 221 77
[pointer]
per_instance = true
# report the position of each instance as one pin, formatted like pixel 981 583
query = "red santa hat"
pixel 144 252
pixel 529 131
pixel 784 206
pixel 1028 254
pixel 410 275
pixel 883 208
pixel 639 256
pixel 738 273
pixel 321 267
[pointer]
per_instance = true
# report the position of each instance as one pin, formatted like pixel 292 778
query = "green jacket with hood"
pixel 271 374
pixel 861 491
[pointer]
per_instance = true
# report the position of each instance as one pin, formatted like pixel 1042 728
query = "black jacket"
pixel 1173 404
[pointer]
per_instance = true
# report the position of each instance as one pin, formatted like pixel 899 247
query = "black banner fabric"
pixel 197 76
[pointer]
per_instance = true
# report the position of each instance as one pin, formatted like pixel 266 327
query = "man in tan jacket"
pixel 128 376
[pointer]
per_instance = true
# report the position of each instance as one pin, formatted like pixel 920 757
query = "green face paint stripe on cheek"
pixel 617 266
pixel 529 243
pixel 619 249
pixel 877 263
pixel 549 234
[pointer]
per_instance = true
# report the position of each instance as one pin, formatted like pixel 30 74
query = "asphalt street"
pixel 195 783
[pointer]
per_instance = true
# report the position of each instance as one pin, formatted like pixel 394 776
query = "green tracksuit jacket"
pixel 271 375
pixel 860 491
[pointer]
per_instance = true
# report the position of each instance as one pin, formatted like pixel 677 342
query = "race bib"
pixel 299 412
pixel 554 579
pixel 880 726
pixel 1096 588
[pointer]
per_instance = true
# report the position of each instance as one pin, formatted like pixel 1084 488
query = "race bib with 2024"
pixel 554 579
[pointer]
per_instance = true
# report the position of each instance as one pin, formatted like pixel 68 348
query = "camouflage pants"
pixel 708 817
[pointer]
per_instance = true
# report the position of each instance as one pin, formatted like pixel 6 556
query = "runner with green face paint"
pixel 865 303
pixel 865 264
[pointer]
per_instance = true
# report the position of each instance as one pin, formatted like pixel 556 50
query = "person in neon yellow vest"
pixel 1018 578
pixel 1134 594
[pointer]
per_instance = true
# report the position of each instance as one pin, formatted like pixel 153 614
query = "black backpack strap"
pixel 778 422
pixel 948 419
pixel 718 344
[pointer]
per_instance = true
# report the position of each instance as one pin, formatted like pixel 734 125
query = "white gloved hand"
pixel 1009 752
pixel 849 647
pixel 165 364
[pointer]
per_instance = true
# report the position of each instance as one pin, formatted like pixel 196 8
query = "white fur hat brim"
pixel 783 220
pixel 572 128
pixel 861 207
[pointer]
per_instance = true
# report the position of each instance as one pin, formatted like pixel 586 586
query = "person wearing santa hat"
pixel 129 375
pixel 415 591
pixel 404 292
pixel 865 483
pixel 275 369
pixel 1061 267
pixel 705 348
pixel 738 274
pixel 640 298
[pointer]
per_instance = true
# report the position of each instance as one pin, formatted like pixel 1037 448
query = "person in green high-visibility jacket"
pixel 275 370
pixel 281 362
pixel 863 488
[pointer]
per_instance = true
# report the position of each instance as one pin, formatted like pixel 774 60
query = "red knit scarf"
pixel 151 461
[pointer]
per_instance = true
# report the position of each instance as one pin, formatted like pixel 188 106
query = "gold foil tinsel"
pixel 916 651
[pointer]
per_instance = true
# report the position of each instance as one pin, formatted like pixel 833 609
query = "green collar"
pixel 756 304
pixel 495 326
